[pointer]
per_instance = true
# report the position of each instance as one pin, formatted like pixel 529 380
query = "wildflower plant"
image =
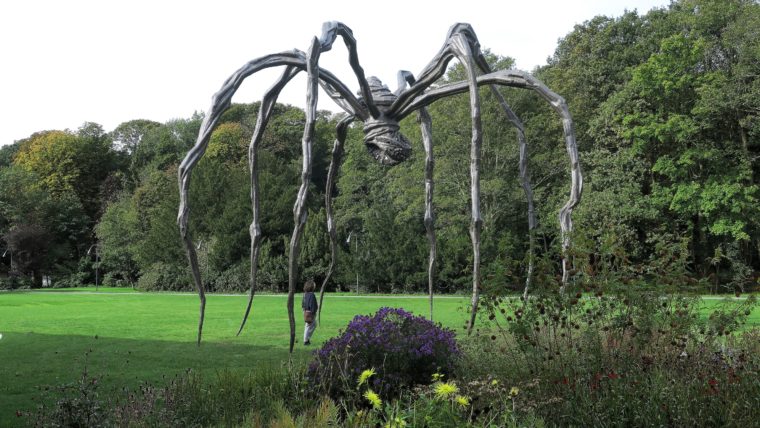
pixel 438 404
pixel 366 374
pixel 402 350
pixel 374 400
pixel 444 390
pixel 605 355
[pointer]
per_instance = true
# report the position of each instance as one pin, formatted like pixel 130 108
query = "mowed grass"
pixel 124 338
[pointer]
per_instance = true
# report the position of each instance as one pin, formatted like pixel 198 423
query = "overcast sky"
pixel 110 61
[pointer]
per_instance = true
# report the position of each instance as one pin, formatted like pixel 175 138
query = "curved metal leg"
pixel 426 129
pixel 219 104
pixel 337 157
pixel 524 181
pixel 459 34
pixel 265 112
pixel 193 258
pixel 406 103
pixel 423 117
pixel 299 210
pixel 330 31
pixel 519 79
pixel 461 47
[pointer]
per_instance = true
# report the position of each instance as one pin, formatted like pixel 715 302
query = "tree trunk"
pixel 36 279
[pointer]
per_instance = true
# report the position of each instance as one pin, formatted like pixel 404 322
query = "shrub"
pixel 15 281
pixel 115 279
pixel 633 359
pixel 76 279
pixel 234 279
pixel 257 398
pixel 77 404
pixel 164 277
pixel 403 349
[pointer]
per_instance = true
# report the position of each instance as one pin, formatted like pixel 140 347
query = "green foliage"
pixel 638 358
pixel 227 399
pixel 665 108
pixel 77 404
pixel 68 162
pixel 7 153
pixel 118 232
pixel 163 277
pixel 234 279
pixel 128 135
pixel 42 232
pixel 694 177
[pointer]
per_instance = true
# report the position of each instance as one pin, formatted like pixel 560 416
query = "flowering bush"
pixel 403 349
pixel 632 358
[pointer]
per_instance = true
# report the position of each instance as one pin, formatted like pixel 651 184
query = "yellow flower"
pixel 494 382
pixel 462 400
pixel 366 374
pixel 437 377
pixel 444 389
pixel 373 399
pixel 514 391
pixel 396 423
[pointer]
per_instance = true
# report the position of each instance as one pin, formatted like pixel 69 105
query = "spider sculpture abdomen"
pixel 381 135
pixel 381 111
pixel 385 143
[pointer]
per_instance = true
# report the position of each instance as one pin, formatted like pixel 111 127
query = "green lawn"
pixel 137 337
pixel 130 337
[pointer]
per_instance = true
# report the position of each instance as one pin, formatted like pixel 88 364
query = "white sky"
pixel 65 62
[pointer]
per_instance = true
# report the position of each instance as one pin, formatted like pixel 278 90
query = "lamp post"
pixel 6 252
pixel 97 262
pixel 8 249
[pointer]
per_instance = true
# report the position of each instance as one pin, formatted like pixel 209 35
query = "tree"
pixel 682 120
pixel 128 135
pixel 68 162
pixel 46 233
pixel 119 240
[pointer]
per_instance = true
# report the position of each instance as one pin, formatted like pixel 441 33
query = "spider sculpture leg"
pixel 426 126
pixel 337 156
pixel 299 210
pixel 462 44
pixel 463 50
pixel 405 77
pixel 219 103
pixel 265 112
pixel 519 79
pixel 524 181
pixel 524 176
pixel 426 129
pixel 330 31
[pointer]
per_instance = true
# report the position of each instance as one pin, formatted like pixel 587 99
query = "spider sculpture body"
pixel 380 110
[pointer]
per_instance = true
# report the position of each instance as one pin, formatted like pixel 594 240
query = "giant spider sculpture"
pixel 380 110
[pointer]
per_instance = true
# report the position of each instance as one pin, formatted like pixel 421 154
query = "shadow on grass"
pixel 31 363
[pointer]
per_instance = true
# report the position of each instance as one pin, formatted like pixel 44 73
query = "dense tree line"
pixel 667 111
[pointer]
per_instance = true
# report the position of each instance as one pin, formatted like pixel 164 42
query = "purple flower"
pixel 404 350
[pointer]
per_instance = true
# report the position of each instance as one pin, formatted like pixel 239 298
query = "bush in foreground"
pixel 639 359
pixel 404 350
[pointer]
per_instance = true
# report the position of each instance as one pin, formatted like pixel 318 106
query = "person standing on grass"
pixel 309 306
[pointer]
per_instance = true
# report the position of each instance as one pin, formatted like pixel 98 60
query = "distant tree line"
pixel 667 114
